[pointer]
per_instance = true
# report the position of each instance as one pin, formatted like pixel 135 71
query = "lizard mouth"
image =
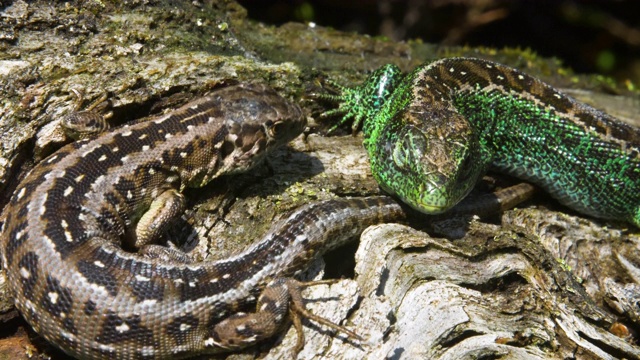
pixel 427 203
pixel 430 208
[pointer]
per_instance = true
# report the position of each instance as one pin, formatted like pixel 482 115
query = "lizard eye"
pixel 274 129
pixel 409 149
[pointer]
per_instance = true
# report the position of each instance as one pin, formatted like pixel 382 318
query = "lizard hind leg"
pixel 280 297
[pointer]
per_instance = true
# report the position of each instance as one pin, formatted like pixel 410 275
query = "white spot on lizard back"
pixel 147 351
pixel 106 348
pixel 21 193
pixel 160 120
pixel 142 278
pixel 53 297
pixel 122 328
pixel 98 182
pixel 91 150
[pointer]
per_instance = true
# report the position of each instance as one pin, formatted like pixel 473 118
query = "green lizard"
pixel 433 133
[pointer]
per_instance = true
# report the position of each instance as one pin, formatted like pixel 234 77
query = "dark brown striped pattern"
pixel 65 223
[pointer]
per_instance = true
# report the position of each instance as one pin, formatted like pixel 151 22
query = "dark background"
pixel 588 36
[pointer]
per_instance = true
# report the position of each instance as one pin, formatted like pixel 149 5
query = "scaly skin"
pixel 433 133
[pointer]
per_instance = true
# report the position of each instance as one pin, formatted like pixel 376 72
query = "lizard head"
pixel 432 158
pixel 256 120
